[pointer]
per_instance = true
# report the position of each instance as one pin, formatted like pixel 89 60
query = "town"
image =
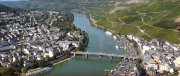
pixel 156 58
pixel 31 39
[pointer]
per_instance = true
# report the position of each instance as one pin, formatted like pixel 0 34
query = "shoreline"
pixel 38 71
pixel 47 69
pixel 93 22
pixel 62 61
pixel 106 29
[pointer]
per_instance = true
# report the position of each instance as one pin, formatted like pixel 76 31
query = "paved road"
pixel 124 68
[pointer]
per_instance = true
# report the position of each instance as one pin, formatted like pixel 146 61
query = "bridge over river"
pixel 100 54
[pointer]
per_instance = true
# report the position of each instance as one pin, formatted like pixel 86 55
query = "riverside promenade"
pixel 54 64
pixel 38 71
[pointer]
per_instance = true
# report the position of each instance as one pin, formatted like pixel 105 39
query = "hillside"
pixel 59 5
pixel 150 20
pixel 40 4
pixel 146 18
pixel 4 8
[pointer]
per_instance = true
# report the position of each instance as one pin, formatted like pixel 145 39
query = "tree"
pixel 66 53
pixel 24 69
pixel 48 58
pixel 34 65
pixel 43 63
pixel 165 72
pixel 176 73
pixel 17 65
pixel 7 71
pixel 138 63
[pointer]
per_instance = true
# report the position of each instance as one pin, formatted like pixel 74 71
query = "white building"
pixel 50 52
pixel 26 51
pixel 164 67
pixel 177 62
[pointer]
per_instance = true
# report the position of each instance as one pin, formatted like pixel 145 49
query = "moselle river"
pixel 99 41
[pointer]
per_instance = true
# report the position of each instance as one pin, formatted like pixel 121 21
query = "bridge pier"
pixel 126 58
pixel 100 56
pixel 122 58
pixel 111 57
pixel 74 54
pixel 86 56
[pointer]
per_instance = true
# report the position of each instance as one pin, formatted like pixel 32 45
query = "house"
pixel 169 56
pixel 151 71
pixel 49 52
pixel 15 57
pixel 57 50
pixel 177 22
pixel 177 62
pixel 164 67
pixel 8 47
pixel 26 51
pixel 25 64
pixel 151 64
pixel 145 48
pixel 38 57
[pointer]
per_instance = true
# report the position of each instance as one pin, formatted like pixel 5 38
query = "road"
pixel 124 68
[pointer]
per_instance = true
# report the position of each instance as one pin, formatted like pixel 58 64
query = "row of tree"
pixel 17 67
pixel 84 42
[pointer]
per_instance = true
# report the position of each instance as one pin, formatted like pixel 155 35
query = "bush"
pixel 24 69
pixel 7 71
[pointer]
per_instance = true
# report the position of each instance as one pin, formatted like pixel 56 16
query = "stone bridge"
pixel 100 54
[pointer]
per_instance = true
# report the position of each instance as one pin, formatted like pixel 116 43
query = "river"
pixel 99 41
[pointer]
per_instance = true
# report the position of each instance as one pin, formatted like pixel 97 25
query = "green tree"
pixel 34 65
pixel 7 71
pixel 48 58
pixel 24 69
pixel 165 72
pixel 176 73
pixel 138 63
pixel 67 53
pixel 17 65
pixel 43 63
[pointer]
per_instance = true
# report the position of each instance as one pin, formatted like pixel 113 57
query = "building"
pixel 177 62
pixel 164 67
pixel 177 23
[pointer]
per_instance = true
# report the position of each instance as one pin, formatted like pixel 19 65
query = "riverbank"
pixel 62 61
pixel 93 22
pixel 38 71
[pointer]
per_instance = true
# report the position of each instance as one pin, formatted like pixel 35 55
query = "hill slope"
pixel 151 20
pixel 146 18
pixel 4 8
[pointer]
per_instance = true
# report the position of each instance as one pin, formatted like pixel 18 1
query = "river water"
pixel 99 41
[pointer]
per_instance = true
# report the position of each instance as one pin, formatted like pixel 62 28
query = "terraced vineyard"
pixel 150 20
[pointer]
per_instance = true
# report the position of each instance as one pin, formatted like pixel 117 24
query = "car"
pixel 127 70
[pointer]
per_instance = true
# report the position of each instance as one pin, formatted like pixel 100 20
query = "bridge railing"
pixel 103 54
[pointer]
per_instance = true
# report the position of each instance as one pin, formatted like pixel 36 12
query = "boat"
pixel 115 37
pixel 108 33
pixel 117 47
